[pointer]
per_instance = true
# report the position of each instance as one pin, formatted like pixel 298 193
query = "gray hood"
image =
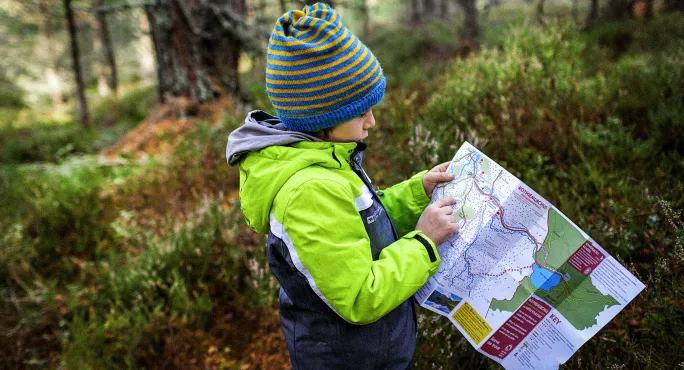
pixel 260 131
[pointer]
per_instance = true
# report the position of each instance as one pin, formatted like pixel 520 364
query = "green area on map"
pixel 575 297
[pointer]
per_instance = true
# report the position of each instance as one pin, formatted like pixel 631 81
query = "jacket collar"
pixel 343 152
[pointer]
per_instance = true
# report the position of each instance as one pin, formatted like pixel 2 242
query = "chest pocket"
pixel 376 220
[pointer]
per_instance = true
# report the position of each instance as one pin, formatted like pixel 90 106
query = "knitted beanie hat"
pixel 318 74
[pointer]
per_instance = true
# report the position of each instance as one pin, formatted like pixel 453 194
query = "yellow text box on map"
pixel 472 323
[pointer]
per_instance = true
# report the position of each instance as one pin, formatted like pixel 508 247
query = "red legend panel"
pixel 516 328
pixel 586 258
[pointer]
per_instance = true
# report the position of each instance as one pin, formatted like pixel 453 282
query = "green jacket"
pixel 308 195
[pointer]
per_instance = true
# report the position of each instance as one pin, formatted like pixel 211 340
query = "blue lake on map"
pixel 543 278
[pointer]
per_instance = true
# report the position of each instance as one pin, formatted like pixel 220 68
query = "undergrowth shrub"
pixel 44 141
pixel 648 94
pixel 525 94
pixel 58 215
pixel 11 101
pixel 179 281
pixel 127 110
pixel 601 139
pixel 410 56
pixel 54 225
pixel 88 274
pixel 53 141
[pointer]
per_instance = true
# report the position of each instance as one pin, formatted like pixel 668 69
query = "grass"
pixel 34 139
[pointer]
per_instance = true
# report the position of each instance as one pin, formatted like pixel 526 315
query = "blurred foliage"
pixel 44 141
pixel 110 276
pixel 52 141
pixel 127 111
pixel 604 145
pixel 147 263
pixel 409 55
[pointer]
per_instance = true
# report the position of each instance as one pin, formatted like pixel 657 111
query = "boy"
pixel 348 258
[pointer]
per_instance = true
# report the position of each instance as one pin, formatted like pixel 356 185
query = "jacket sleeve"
pixel 405 202
pixel 329 245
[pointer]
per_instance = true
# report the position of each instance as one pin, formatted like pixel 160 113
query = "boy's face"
pixel 356 129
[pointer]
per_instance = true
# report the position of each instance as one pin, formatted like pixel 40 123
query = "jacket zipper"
pixel 366 180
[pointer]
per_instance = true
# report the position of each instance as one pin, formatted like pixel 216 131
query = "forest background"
pixel 122 244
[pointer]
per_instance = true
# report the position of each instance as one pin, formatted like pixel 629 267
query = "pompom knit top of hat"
pixel 318 74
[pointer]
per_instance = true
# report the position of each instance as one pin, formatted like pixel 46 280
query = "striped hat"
pixel 318 74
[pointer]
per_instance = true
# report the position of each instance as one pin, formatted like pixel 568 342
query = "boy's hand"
pixel 435 176
pixel 438 222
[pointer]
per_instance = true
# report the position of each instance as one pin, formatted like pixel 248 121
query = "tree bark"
pixel 649 9
pixel 197 46
pixel 106 61
pixel 444 9
pixel 540 11
pixel 159 54
pixel 592 17
pixel 415 12
pixel 82 111
pixel 673 5
pixel 471 30
pixel 619 9
pixel 52 76
pixel 365 17
pixel 429 7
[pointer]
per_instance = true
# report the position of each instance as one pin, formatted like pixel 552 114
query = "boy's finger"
pixel 443 176
pixel 436 177
pixel 446 202
pixel 443 167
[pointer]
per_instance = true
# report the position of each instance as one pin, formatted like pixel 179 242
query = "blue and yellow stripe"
pixel 318 73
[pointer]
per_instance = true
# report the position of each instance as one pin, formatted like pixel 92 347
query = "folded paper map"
pixel 522 282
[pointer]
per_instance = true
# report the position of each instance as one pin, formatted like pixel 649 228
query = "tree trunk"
pixel 619 9
pixel 471 30
pixel 83 117
pixel 444 9
pixel 429 7
pixel 415 12
pixel 540 11
pixel 197 47
pixel 159 54
pixel 47 42
pixel 144 47
pixel 108 79
pixel 592 17
pixel 673 5
pixel 365 17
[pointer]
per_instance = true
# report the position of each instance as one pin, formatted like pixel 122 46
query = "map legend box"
pixel 586 259
pixel 516 328
pixel 473 324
